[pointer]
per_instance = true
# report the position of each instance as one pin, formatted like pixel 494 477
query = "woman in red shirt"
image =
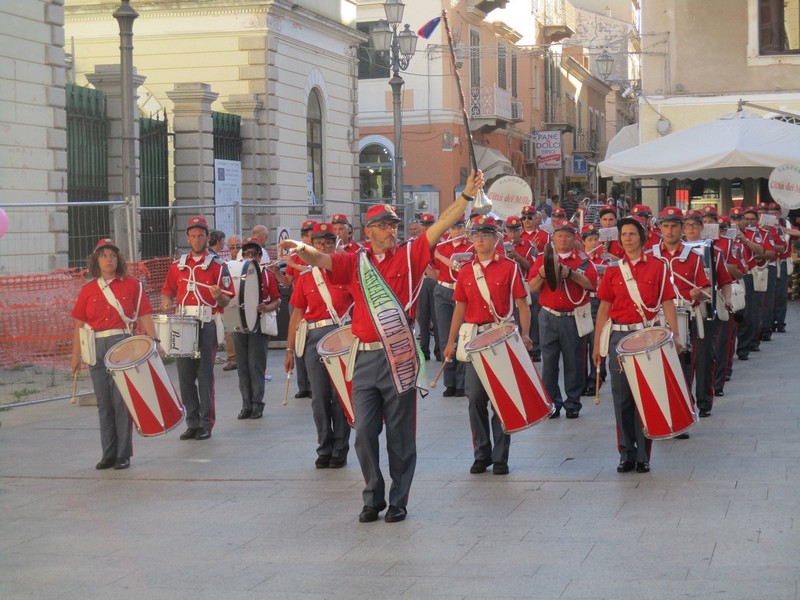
pixel 107 265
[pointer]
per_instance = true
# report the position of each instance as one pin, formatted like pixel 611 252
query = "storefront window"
pixel 376 173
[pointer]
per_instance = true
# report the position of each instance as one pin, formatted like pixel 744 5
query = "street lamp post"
pixel 125 16
pixel 401 47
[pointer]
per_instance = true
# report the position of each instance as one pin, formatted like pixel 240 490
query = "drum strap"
pixel 480 280
pixel 325 293
pixel 112 300
pixel 633 289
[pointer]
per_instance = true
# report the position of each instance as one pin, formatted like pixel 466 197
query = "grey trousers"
pixel 426 314
pixel 534 332
pixel 750 327
pixel 479 422
pixel 251 363
pixel 632 444
pixel 196 380
pixel 768 306
pixel 453 371
pixel 781 296
pixel 303 385
pixel 116 426
pixel 559 339
pixel 333 431
pixel 375 402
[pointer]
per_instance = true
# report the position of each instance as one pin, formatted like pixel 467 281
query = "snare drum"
pixel 178 334
pixel 241 314
pixel 654 373
pixel 334 350
pixel 146 389
pixel 509 378
pixel 684 315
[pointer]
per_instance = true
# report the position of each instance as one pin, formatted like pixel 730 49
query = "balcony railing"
pixel 558 20
pixel 560 112
pixel 494 103
pixel 586 141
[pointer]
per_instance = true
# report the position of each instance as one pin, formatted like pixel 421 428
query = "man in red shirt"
pixel 595 251
pixel 380 371
pixel 558 331
pixel 504 280
pixel 758 251
pixel 789 235
pixel 517 248
pixel 344 234
pixel 426 308
pixel 311 296
pixel 202 287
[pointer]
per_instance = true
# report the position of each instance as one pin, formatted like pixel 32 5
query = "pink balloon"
pixel 3 222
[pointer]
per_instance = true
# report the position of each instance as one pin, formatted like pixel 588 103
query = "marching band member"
pixel 594 250
pixel 344 234
pixel 757 252
pixel 608 218
pixel 234 247
pixel 779 245
pixel 517 248
pixel 558 319
pixel 790 235
pixel 648 278
pixel 200 283
pixel 447 269
pixel 252 348
pixel 383 281
pixel 472 306
pixel 111 324
pixel 643 212
pixel 324 307
pixel 426 309
pixel 539 238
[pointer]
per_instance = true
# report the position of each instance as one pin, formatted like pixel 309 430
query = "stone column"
pixel 254 157
pixel 194 153
pixel 107 79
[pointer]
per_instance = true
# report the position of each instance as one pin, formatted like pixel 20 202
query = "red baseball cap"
pixel 381 212
pixel 427 219
pixel 641 209
pixel 106 243
pixel 485 223
pixel 322 230
pixel 751 209
pixel 590 229
pixel 606 209
pixel 529 209
pixel 339 219
pixel 671 213
pixel 736 211
pixel 307 225
pixel 560 213
pixel 565 226
pixel 197 222
pixel 513 223
pixel 694 215
pixel 709 210
pixel 251 241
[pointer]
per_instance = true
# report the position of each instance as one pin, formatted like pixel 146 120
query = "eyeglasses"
pixel 383 225
pixel 692 224
pixel 526 217
pixel 234 246
pixel 481 235
pixel 250 253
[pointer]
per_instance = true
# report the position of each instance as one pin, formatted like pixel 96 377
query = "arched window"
pixel 314 153
pixel 376 173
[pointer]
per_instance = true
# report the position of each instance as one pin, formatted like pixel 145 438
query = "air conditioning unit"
pixel 516 111
pixel 529 150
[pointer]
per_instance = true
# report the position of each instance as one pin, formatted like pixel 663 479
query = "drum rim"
pixel 172 318
pixel 664 342
pixel 138 362
pixel 469 347
pixel 333 333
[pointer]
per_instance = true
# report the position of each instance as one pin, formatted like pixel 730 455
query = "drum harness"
pixel 112 300
pixel 203 315
pixel 697 311
pixel 325 294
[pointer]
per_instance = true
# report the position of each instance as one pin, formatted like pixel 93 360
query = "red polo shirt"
pixel 568 295
pixel 447 275
pixel 394 268
pixel 503 280
pixel 306 297
pixel 177 281
pixel 93 309
pixel 690 268
pixel 648 273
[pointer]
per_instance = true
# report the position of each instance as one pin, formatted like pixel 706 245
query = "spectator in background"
pixel 570 204
pixel 234 247
pixel 216 241
pixel 544 206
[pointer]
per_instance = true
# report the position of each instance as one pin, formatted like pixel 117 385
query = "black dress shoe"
pixel 337 462
pixel 589 391
pixel 642 467
pixel 449 392
pixel 244 414
pixel 426 355
pixel 766 338
pixel 438 356
pixel 536 357
pixel 106 463
pixel 682 436
pixel 189 434
pixel 202 434
pixel 500 468
pixel 556 414
pixel 323 461
pixel 395 514
pixel 781 329
pixel 480 465
pixel 459 393
pixel 572 414
pixel 755 349
pixel 625 466
pixel 705 413
pixel 304 394
pixel 122 463
pixel 719 393
pixel 742 356
pixel 370 513
pixel 258 412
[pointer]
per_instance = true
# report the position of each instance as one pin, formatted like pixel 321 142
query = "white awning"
pixel 626 138
pixel 492 162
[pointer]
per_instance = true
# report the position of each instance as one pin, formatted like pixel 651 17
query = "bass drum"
pixel 241 315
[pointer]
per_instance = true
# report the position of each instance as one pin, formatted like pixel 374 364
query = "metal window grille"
pixel 154 185
pixel 227 136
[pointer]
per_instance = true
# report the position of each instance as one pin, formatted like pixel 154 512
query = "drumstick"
pixel 439 374
pixel 286 392
pixel 74 385
pixel 231 294
pixel 597 385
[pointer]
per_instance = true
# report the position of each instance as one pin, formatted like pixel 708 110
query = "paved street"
pixel 246 515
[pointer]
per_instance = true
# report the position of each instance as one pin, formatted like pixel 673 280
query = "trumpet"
pixel 279 260
pixel 452 239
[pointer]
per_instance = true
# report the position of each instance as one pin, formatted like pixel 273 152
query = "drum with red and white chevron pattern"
pixel 653 370
pixel 146 388
pixel 334 350
pixel 511 381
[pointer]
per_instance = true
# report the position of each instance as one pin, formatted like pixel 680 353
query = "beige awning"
pixel 492 162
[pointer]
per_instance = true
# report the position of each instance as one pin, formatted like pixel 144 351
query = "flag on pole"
pixel 426 31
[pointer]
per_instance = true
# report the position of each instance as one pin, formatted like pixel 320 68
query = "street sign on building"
pixel 580 167
pixel 548 149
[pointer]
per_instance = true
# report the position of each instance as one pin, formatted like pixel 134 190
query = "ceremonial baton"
pixel 74 385
pixel 286 391
pixel 439 373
